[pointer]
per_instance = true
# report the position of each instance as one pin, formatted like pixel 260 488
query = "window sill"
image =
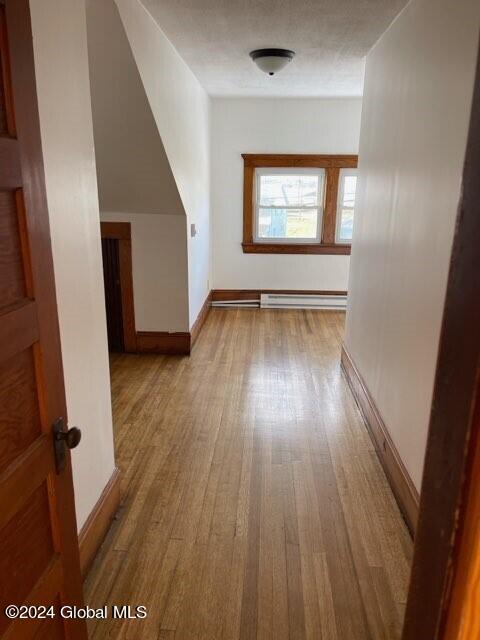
pixel 276 247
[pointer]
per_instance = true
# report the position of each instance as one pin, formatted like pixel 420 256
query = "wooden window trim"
pixel 332 165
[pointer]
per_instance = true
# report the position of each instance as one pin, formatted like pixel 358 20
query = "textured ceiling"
pixel 330 37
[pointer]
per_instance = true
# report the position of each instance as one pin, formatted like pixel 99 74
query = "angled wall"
pixel 133 170
pixel 181 110
pixel 135 180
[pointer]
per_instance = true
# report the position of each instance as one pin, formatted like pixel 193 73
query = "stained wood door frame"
pixel 451 464
pixel 122 232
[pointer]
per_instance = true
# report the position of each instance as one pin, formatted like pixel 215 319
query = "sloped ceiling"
pixel 134 175
pixel 330 37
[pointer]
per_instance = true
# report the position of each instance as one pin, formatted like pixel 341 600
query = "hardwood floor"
pixel 254 503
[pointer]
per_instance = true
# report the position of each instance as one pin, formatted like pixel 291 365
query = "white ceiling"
pixel 330 37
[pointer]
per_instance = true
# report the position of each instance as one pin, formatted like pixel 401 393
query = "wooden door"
pixel 113 294
pixel 39 563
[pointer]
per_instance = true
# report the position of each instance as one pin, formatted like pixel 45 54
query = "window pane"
pixel 349 188
pixel 346 225
pixel 287 223
pixel 346 206
pixel 288 190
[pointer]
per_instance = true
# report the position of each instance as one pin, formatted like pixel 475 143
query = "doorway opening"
pixel 113 294
pixel 118 282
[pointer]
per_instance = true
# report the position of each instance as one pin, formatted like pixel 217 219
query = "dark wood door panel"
pixel 51 630
pixel 3 113
pixel 39 629
pixel 27 550
pixel 7 117
pixel 18 330
pixel 10 167
pixel 24 475
pixel 12 277
pixel 21 423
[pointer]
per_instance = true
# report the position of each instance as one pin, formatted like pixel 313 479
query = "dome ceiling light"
pixel 271 60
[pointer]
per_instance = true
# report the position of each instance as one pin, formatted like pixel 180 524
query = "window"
pixel 298 203
pixel 288 205
pixel 346 205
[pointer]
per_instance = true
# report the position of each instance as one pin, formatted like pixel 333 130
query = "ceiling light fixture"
pixel 271 60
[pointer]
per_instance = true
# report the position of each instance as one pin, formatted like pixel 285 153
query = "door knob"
pixel 71 437
pixel 64 439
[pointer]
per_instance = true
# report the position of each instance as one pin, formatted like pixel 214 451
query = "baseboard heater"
pixel 288 301
pixel 306 301
pixel 249 304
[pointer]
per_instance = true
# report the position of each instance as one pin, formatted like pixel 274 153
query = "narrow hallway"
pixel 254 504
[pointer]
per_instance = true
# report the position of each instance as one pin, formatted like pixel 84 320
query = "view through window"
pixel 346 204
pixel 298 203
pixel 289 204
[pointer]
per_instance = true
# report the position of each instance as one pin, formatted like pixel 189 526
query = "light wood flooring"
pixel 254 503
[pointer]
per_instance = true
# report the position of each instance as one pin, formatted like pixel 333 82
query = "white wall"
pixel 60 48
pixel 418 89
pixel 134 175
pixel 263 125
pixel 159 264
pixel 181 110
